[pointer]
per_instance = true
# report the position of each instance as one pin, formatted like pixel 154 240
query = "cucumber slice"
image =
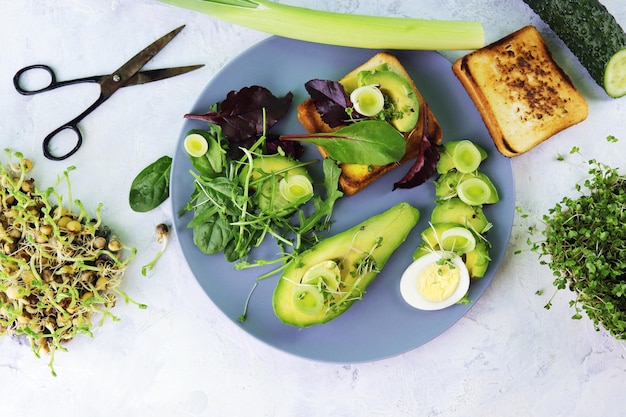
pixel 592 34
pixel 474 191
pixel 615 75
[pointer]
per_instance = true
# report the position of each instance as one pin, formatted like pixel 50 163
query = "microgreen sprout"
pixel 59 269
pixel 162 232
pixel 583 242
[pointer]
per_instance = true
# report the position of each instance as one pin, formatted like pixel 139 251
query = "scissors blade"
pixel 148 76
pixel 119 78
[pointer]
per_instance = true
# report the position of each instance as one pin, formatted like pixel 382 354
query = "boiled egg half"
pixel 435 281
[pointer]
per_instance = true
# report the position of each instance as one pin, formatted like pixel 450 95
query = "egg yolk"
pixel 438 282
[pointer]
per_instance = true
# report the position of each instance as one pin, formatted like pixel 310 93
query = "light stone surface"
pixel 181 357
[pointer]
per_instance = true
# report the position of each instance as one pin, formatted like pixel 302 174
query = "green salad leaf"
pixel 151 186
pixel 368 142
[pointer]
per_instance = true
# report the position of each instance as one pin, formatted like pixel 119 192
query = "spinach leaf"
pixel 370 142
pixel 151 186
pixel 213 235
pixel 212 162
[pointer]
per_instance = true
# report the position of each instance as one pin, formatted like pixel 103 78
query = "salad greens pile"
pixel 585 240
pixel 228 214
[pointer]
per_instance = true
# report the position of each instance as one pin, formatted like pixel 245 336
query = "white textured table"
pixel 181 356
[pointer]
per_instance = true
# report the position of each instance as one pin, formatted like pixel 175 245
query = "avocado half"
pixel 360 253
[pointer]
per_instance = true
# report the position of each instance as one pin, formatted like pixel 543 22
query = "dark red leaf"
pixel 331 101
pixel 426 163
pixel 240 115
pixel 289 147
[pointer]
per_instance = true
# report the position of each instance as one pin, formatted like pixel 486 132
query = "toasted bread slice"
pixel 522 94
pixel 355 177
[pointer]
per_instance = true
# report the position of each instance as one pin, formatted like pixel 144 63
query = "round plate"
pixel 381 324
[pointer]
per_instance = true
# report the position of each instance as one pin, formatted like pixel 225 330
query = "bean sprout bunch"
pixel 60 268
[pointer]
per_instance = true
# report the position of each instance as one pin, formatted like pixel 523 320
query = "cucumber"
pixel 592 34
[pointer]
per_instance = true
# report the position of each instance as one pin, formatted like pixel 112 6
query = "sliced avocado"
pixel 431 236
pixel 495 197
pixel 476 260
pixel 361 252
pixel 352 82
pixel 276 163
pixel 453 210
pixel 267 171
pixel 400 94
pixel 446 163
pixel 445 185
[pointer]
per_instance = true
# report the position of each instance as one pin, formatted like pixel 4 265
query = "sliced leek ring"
pixel 458 239
pixel 295 187
pixel 196 145
pixel 466 157
pixel 326 272
pixel 308 299
pixel 368 100
pixel 473 191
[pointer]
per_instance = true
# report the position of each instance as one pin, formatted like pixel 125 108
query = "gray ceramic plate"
pixel 381 324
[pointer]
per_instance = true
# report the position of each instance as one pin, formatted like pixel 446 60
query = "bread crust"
pixel 355 177
pixel 521 93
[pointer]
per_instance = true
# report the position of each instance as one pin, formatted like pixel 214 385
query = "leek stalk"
pixel 360 31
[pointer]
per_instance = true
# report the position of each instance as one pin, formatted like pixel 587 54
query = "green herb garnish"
pixel 585 240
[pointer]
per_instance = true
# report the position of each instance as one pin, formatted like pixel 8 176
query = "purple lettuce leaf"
pixel 240 115
pixel 331 101
pixel 425 164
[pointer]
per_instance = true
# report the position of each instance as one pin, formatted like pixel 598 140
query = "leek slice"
pixel 466 157
pixel 458 239
pixel 308 299
pixel 295 187
pixel 326 272
pixel 332 28
pixel 196 145
pixel 368 100
pixel 473 191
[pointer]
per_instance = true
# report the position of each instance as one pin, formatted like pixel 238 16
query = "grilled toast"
pixel 355 177
pixel 522 94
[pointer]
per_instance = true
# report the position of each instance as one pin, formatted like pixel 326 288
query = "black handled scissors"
pixel 127 75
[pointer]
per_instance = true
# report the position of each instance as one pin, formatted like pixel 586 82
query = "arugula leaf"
pixel 324 207
pixel 151 186
pixel 369 142
pixel 247 113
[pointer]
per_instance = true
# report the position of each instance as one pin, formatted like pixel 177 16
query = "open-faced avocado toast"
pixel 405 110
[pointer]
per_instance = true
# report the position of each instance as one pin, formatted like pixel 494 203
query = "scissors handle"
pixel 73 126
pixel 52 84
pixel 48 139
